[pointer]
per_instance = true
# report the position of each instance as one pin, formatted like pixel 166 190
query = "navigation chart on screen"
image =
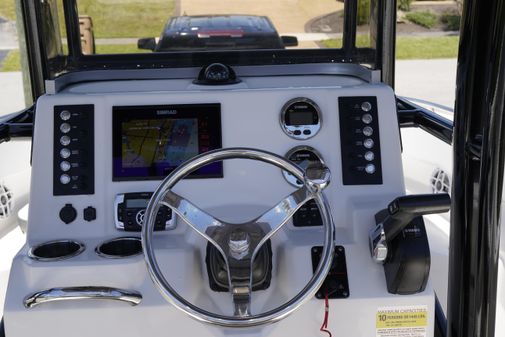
pixel 159 141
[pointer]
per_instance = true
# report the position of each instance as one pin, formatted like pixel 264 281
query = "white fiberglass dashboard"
pixel 355 133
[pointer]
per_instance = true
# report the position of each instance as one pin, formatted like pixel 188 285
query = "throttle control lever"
pixel 399 214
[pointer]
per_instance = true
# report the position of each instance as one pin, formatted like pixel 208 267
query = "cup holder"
pixel 56 250
pixel 120 247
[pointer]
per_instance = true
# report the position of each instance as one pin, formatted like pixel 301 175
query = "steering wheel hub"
pixel 239 244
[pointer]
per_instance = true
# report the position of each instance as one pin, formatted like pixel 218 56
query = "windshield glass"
pixel 226 24
pixel 197 32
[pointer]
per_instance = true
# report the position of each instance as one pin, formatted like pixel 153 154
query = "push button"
pixel 368 143
pixel 65 179
pixel 367 118
pixel 366 106
pixel 367 131
pixel 65 166
pixel 65 128
pixel 370 169
pixel 65 153
pixel 139 218
pixel 65 140
pixel 65 115
pixel 369 156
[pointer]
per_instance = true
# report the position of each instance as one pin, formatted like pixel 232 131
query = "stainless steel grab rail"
pixel 82 293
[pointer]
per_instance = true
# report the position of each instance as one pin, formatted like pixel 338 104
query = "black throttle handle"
pixel 404 209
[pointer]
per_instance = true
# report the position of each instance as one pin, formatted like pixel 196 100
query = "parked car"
pixel 218 32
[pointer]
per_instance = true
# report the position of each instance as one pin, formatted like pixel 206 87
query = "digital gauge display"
pixel 303 156
pixel 301 118
pixel 137 203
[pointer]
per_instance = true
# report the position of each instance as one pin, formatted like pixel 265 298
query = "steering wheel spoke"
pixel 273 219
pixel 240 274
pixel 202 222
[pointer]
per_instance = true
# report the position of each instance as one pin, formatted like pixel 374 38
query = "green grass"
pixel 412 47
pixel 12 62
pixel 119 49
pixel 117 19
pixel 422 18
pixel 8 9
pixel 361 41
pixel 125 18
pixel 404 5
pixel 408 48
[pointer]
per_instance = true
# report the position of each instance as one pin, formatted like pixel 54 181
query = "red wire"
pixel 324 326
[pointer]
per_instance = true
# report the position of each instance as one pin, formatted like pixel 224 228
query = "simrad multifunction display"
pixel 149 142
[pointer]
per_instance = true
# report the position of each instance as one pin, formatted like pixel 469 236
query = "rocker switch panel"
pixel 360 141
pixel 73 157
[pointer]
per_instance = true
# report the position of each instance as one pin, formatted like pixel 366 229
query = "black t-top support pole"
pixel 478 170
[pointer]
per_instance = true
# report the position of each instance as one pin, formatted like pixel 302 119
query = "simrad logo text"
pixel 166 112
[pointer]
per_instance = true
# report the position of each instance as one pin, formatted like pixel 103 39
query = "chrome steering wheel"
pixel 239 243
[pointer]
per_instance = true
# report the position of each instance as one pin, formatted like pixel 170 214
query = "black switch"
pixel 68 213
pixel 89 213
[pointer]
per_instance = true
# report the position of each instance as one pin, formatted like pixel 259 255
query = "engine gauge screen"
pixel 150 142
pixel 301 118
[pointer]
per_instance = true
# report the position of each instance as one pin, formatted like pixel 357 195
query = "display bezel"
pixel 120 114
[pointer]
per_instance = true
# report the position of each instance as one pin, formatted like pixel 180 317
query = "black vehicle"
pixel 203 32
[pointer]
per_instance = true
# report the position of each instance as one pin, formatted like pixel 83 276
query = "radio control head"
pixel 129 213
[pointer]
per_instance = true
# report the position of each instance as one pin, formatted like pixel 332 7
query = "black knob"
pixel 68 213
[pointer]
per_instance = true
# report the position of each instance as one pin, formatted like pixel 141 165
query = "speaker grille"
pixel 6 202
pixel 440 182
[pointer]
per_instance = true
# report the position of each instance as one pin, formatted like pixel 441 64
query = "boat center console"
pixel 101 149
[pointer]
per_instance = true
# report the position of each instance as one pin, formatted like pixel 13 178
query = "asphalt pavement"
pixel 429 80
pixel 8 37
pixel 11 92
pixel 3 54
